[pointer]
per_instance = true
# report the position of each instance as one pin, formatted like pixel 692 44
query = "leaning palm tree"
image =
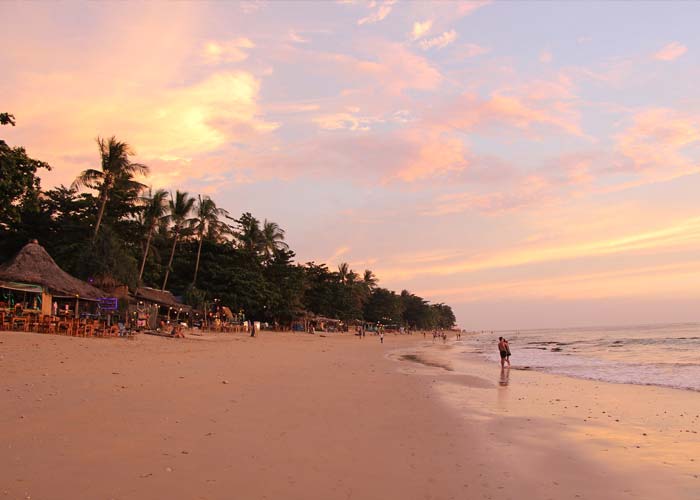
pixel 180 208
pixel 273 239
pixel 154 210
pixel 115 166
pixel 207 222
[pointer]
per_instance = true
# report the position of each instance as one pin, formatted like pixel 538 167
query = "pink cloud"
pixel 473 50
pixel 420 29
pixel 216 52
pixel 530 190
pixel 469 112
pixel 467 8
pixel 405 155
pixel 393 69
pixel 670 52
pixel 381 11
pixel 439 42
pixel 655 140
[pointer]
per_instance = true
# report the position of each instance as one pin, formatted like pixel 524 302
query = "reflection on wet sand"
pixel 505 377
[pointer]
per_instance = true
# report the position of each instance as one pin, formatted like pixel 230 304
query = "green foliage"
pixel 7 119
pixel 19 184
pixel 108 259
pixel 385 307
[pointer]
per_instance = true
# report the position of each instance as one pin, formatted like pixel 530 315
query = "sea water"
pixel 664 355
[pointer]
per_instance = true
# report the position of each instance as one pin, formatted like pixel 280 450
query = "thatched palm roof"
pixel 34 265
pixel 162 297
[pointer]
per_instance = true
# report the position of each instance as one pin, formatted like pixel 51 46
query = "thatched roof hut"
pixel 33 265
pixel 161 297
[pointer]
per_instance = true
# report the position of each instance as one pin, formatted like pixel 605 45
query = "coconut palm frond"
pixel 87 178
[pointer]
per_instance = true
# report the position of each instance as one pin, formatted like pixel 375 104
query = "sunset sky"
pixel 530 164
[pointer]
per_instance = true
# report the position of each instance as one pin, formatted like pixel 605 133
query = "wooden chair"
pixel 90 328
pixel 34 322
pixel 65 327
pixel 4 321
pixel 99 328
pixel 79 328
pixel 47 325
pixel 19 323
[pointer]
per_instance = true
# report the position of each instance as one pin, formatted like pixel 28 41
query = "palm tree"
pixel 249 235
pixel 369 279
pixel 180 209
pixel 207 221
pixel 115 166
pixel 154 211
pixel 346 275
pixel 273 239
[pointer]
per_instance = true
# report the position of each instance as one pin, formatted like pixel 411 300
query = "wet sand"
pixel 310 417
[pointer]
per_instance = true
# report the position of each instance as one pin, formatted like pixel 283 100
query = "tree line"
pixel 109 228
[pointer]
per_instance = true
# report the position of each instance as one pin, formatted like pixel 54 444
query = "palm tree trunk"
pixel 99 216
pixel 170 262
pixel 145 254
pixel 196 266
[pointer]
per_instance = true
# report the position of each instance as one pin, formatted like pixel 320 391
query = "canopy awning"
pixel 21 287
pixel 73 297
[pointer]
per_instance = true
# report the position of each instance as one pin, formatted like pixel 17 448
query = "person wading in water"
pixel 503 351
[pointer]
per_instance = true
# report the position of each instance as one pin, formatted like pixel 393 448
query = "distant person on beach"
pixel 381 336
pixel 505 341
pixel 503 351
pixel 252 330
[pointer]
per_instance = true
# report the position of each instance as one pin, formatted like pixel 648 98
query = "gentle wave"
pixel 660 355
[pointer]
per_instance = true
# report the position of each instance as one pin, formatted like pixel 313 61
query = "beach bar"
pixel 149 306
pixel 33 282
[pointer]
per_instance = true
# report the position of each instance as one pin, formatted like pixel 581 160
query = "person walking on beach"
pixel 505 341
pixel 381 336
pixel 252 330
pixel 503 351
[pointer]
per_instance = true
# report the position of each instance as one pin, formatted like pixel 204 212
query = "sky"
pixel 532 164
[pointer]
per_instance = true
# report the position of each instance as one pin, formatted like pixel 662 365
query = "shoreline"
pixel 301 416
pixel 647 433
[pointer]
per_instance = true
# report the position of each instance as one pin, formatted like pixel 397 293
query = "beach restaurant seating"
pixel 47 324
pixel 61 325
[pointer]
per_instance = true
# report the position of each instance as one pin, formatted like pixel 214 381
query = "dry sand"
pixel 287 416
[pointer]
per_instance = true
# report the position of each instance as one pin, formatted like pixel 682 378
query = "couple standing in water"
pixel 504 350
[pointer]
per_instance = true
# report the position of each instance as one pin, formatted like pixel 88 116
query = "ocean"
pixel 663 355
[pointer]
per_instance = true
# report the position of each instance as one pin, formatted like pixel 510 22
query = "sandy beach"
pixel 297 416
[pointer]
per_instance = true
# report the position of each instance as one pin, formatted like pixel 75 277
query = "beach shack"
pixel 150 306
pixel 33 282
